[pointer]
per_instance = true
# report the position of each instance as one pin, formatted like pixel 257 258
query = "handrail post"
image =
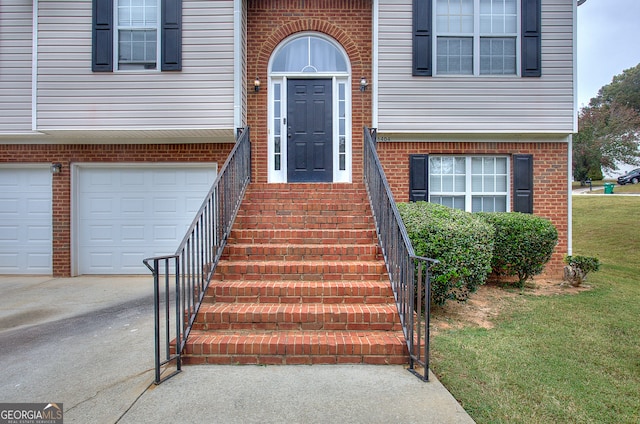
pixel 156 321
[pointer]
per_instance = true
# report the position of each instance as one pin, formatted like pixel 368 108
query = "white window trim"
pixel 476 43
pixel 280 176
pixel 116 44
pixel 469 194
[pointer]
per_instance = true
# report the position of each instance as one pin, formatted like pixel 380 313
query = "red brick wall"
pixel 550 173
pixel 269 22
pixel 70 153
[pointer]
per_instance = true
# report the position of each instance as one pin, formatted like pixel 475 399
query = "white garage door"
pixel 127 214
pixel 25 221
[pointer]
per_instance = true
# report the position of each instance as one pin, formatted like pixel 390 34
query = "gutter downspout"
pixel 238 71
pixel 34 66
pixel 374 64
pixel 575 130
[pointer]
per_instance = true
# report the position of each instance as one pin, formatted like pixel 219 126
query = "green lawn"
pixel 563 358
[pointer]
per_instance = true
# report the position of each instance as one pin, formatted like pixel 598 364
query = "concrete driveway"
pixel 87 342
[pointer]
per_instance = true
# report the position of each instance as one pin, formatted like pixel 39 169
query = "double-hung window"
pixel 137 34
pixel 471 183
pixel 476 37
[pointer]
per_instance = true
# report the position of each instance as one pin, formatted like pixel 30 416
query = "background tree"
pixel 609 128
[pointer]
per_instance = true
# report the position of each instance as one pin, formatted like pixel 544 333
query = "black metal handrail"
pixel 409 274
pixel 183 278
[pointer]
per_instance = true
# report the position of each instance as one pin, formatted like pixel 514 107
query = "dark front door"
pixel 309 127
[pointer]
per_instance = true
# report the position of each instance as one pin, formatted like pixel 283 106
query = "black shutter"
pixel 422 35
pixel 531 38
pixel 418 178
pixel 523 183
pixel 102 36
pixel 171 37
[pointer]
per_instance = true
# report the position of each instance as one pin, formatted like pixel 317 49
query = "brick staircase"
pixel 302 281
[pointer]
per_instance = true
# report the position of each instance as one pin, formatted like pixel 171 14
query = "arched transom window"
pixel 309 54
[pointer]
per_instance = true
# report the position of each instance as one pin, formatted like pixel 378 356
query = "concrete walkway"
pixel 87 342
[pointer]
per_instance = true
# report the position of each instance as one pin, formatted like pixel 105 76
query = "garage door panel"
pixel 9 208
pixel 25 220
pixel 132 206
pixel 9 233
pixel 39 233
pixel 39 261
pixel 133 233
pixel 98 234
pixel 165 205
pixel 9 263
pixel 39 207
pixel 162 233
pixel 134 214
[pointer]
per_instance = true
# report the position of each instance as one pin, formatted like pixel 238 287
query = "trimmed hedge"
pixel 461 242
pixel 523 243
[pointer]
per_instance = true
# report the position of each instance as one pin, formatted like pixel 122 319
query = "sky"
pixel 608 43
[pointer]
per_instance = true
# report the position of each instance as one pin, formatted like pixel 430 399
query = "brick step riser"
pixel 248 239
pixel 291 277
pixel 293 299
pixel 293 257
pixel 305 348
pixel 304 192
pixel 308 196
pixel 291 317
pixel 304 221
pixel 303 292
pixel 301 236
pixel 265 224
pixel 245 252
pixel 329 271
pixel 250 359
pixel 319 208
pixel 295 326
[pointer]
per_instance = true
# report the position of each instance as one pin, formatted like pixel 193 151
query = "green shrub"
pixel 523 243
pixel 578 267
pixel 461 242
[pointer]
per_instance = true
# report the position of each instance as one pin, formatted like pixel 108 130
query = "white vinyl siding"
pixel 72 97
pixel 475 104
pixel 15 66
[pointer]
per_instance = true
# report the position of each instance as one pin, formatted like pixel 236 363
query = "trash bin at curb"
pixel 608 188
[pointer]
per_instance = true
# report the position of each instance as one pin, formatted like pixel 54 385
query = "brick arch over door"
pixel 270 22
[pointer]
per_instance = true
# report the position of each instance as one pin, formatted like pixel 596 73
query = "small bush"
pixel 578 267
pixel 523 243
pixel 462 243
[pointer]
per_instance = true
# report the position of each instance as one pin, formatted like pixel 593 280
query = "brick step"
pixel 300 316
pixel 306 191
pixel 313 196
pixel 302 236
pixel 328 292
pixel 311 222
pixel 323 206
pixel 296 347
pixel 301 252
pixel 301 270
